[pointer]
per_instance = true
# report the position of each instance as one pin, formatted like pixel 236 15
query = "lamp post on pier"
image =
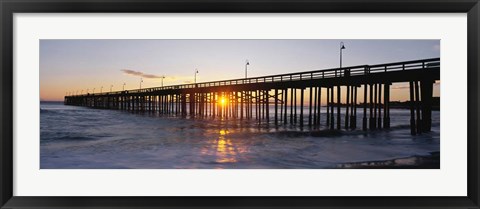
pixel 195 79
pixel 141 81
pixel 163 77
pixel 101 89
pixel 342 47
pixel 247 63
pixel 111 86
pixel 123 88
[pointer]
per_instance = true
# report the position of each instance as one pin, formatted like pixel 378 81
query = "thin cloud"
pixel 138 73
pixel 168 80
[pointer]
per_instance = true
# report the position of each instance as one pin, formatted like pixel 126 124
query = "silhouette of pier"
pixel 280 99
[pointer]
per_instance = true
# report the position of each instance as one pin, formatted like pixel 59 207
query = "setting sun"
pixel 223 101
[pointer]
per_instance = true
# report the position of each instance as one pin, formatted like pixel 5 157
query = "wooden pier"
pixel 280 99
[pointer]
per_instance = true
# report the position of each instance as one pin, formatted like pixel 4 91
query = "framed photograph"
pixel 236 104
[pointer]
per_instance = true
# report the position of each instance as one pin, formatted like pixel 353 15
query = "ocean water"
pixel 83 138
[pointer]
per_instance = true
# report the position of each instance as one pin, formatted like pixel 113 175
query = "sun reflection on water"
pixel 223 147
pixel 226 152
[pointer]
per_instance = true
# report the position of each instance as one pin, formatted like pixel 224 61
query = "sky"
pixel 73 66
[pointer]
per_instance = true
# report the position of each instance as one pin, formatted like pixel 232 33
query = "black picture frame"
pixel 9 7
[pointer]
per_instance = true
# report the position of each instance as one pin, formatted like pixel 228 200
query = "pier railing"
pixel 358 70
